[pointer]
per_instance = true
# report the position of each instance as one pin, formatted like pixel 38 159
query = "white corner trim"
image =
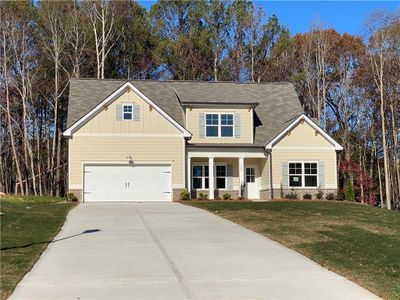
pixel 336 145
pixel 112 97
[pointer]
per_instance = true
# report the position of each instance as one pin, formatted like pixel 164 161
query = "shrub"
pixel 218 198
pixel 349 194
pixel 72 197
pixel 319 195
pixel 307 196
pixel 226 196
pixel 291 196
pixel 330 196
pixel 185 195
pixel 203 196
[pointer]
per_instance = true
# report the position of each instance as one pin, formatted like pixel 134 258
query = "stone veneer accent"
pixel 266 194
pixel 217 193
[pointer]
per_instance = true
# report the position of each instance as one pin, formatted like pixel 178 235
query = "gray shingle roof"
pixel 278 102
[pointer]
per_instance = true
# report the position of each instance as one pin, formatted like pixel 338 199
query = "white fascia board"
pixel 112 97
pixel 310 122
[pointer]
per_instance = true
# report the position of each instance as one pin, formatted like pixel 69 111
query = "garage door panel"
pixel 127 183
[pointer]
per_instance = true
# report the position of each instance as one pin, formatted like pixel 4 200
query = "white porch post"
pixel 189 175
pixel 241 175
pixel 211 178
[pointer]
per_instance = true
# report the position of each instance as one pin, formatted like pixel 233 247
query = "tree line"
pixel 349 84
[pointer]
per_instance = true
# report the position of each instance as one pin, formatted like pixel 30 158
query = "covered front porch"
pixel 241 175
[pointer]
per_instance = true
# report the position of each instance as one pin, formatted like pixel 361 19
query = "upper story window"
pixel 303 174
pixel 127 111
pixel 219 125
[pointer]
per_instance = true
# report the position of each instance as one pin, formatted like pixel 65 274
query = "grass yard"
pixel 359 242
pixel 27 226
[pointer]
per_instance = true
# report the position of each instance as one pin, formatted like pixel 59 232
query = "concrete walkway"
pixel 172 251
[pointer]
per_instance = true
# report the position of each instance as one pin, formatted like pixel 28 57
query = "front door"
pixel 251 188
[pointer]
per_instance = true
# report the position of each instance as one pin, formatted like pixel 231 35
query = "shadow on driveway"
pixel 51 241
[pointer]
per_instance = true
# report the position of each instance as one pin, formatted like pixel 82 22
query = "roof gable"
pixel 117 93
pixel 293 125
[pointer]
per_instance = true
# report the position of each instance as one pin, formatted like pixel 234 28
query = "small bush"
pixel 291 196
pixel 319 195
pixel 72 197
pixel 202 196
pixel 218 198
pixel 349 194
pixel 307 196
pixel 226 196
pixel 330 196
pixel 185 195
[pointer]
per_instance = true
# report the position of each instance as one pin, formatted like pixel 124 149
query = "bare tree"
pixel 377 26
pixel 102 19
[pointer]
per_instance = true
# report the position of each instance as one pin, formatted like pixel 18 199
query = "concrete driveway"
pixel 172 251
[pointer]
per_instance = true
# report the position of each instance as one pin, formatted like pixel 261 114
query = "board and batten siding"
pixel 116 149
pixel 303 144
pixel 150 121
pixel 246 127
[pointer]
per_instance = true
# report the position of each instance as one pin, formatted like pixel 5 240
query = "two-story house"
pixel 149 140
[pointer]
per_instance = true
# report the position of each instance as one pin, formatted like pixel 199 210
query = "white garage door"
pixel 127 183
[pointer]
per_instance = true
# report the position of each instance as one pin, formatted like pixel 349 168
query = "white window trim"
pixel 203 178
pixel 127 104
pixel 219 124
pixel 215 175
pixel 226 176
pixel 303 174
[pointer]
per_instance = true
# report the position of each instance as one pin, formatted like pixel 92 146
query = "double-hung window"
pixel 220 175
pixel 127 111
pixel 219 125
pixel 303 174
pixel 200 177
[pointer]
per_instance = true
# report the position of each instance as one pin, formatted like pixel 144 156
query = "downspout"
pixel 270 175
pixel 269 152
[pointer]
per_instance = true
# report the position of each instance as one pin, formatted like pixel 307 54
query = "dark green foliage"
pixel 226 196
pixel 185 195
pixel 291 196
pixel 307 196
pixel 349 191
pixel 319 195
pixel 330 196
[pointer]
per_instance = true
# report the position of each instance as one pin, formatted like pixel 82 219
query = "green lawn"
pixel 28 224
pixel 359 242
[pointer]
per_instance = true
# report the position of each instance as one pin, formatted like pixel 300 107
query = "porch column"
pixel 211 178
pixel 189 175
pixel 241 175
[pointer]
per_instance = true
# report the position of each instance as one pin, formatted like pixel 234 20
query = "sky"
pixel 344 16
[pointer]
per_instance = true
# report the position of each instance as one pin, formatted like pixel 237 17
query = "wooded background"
pixel 351 84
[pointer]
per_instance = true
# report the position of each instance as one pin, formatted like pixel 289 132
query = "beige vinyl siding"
pixel 304 145
pixel 246 128
pixel 151 122
pixel 116 149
